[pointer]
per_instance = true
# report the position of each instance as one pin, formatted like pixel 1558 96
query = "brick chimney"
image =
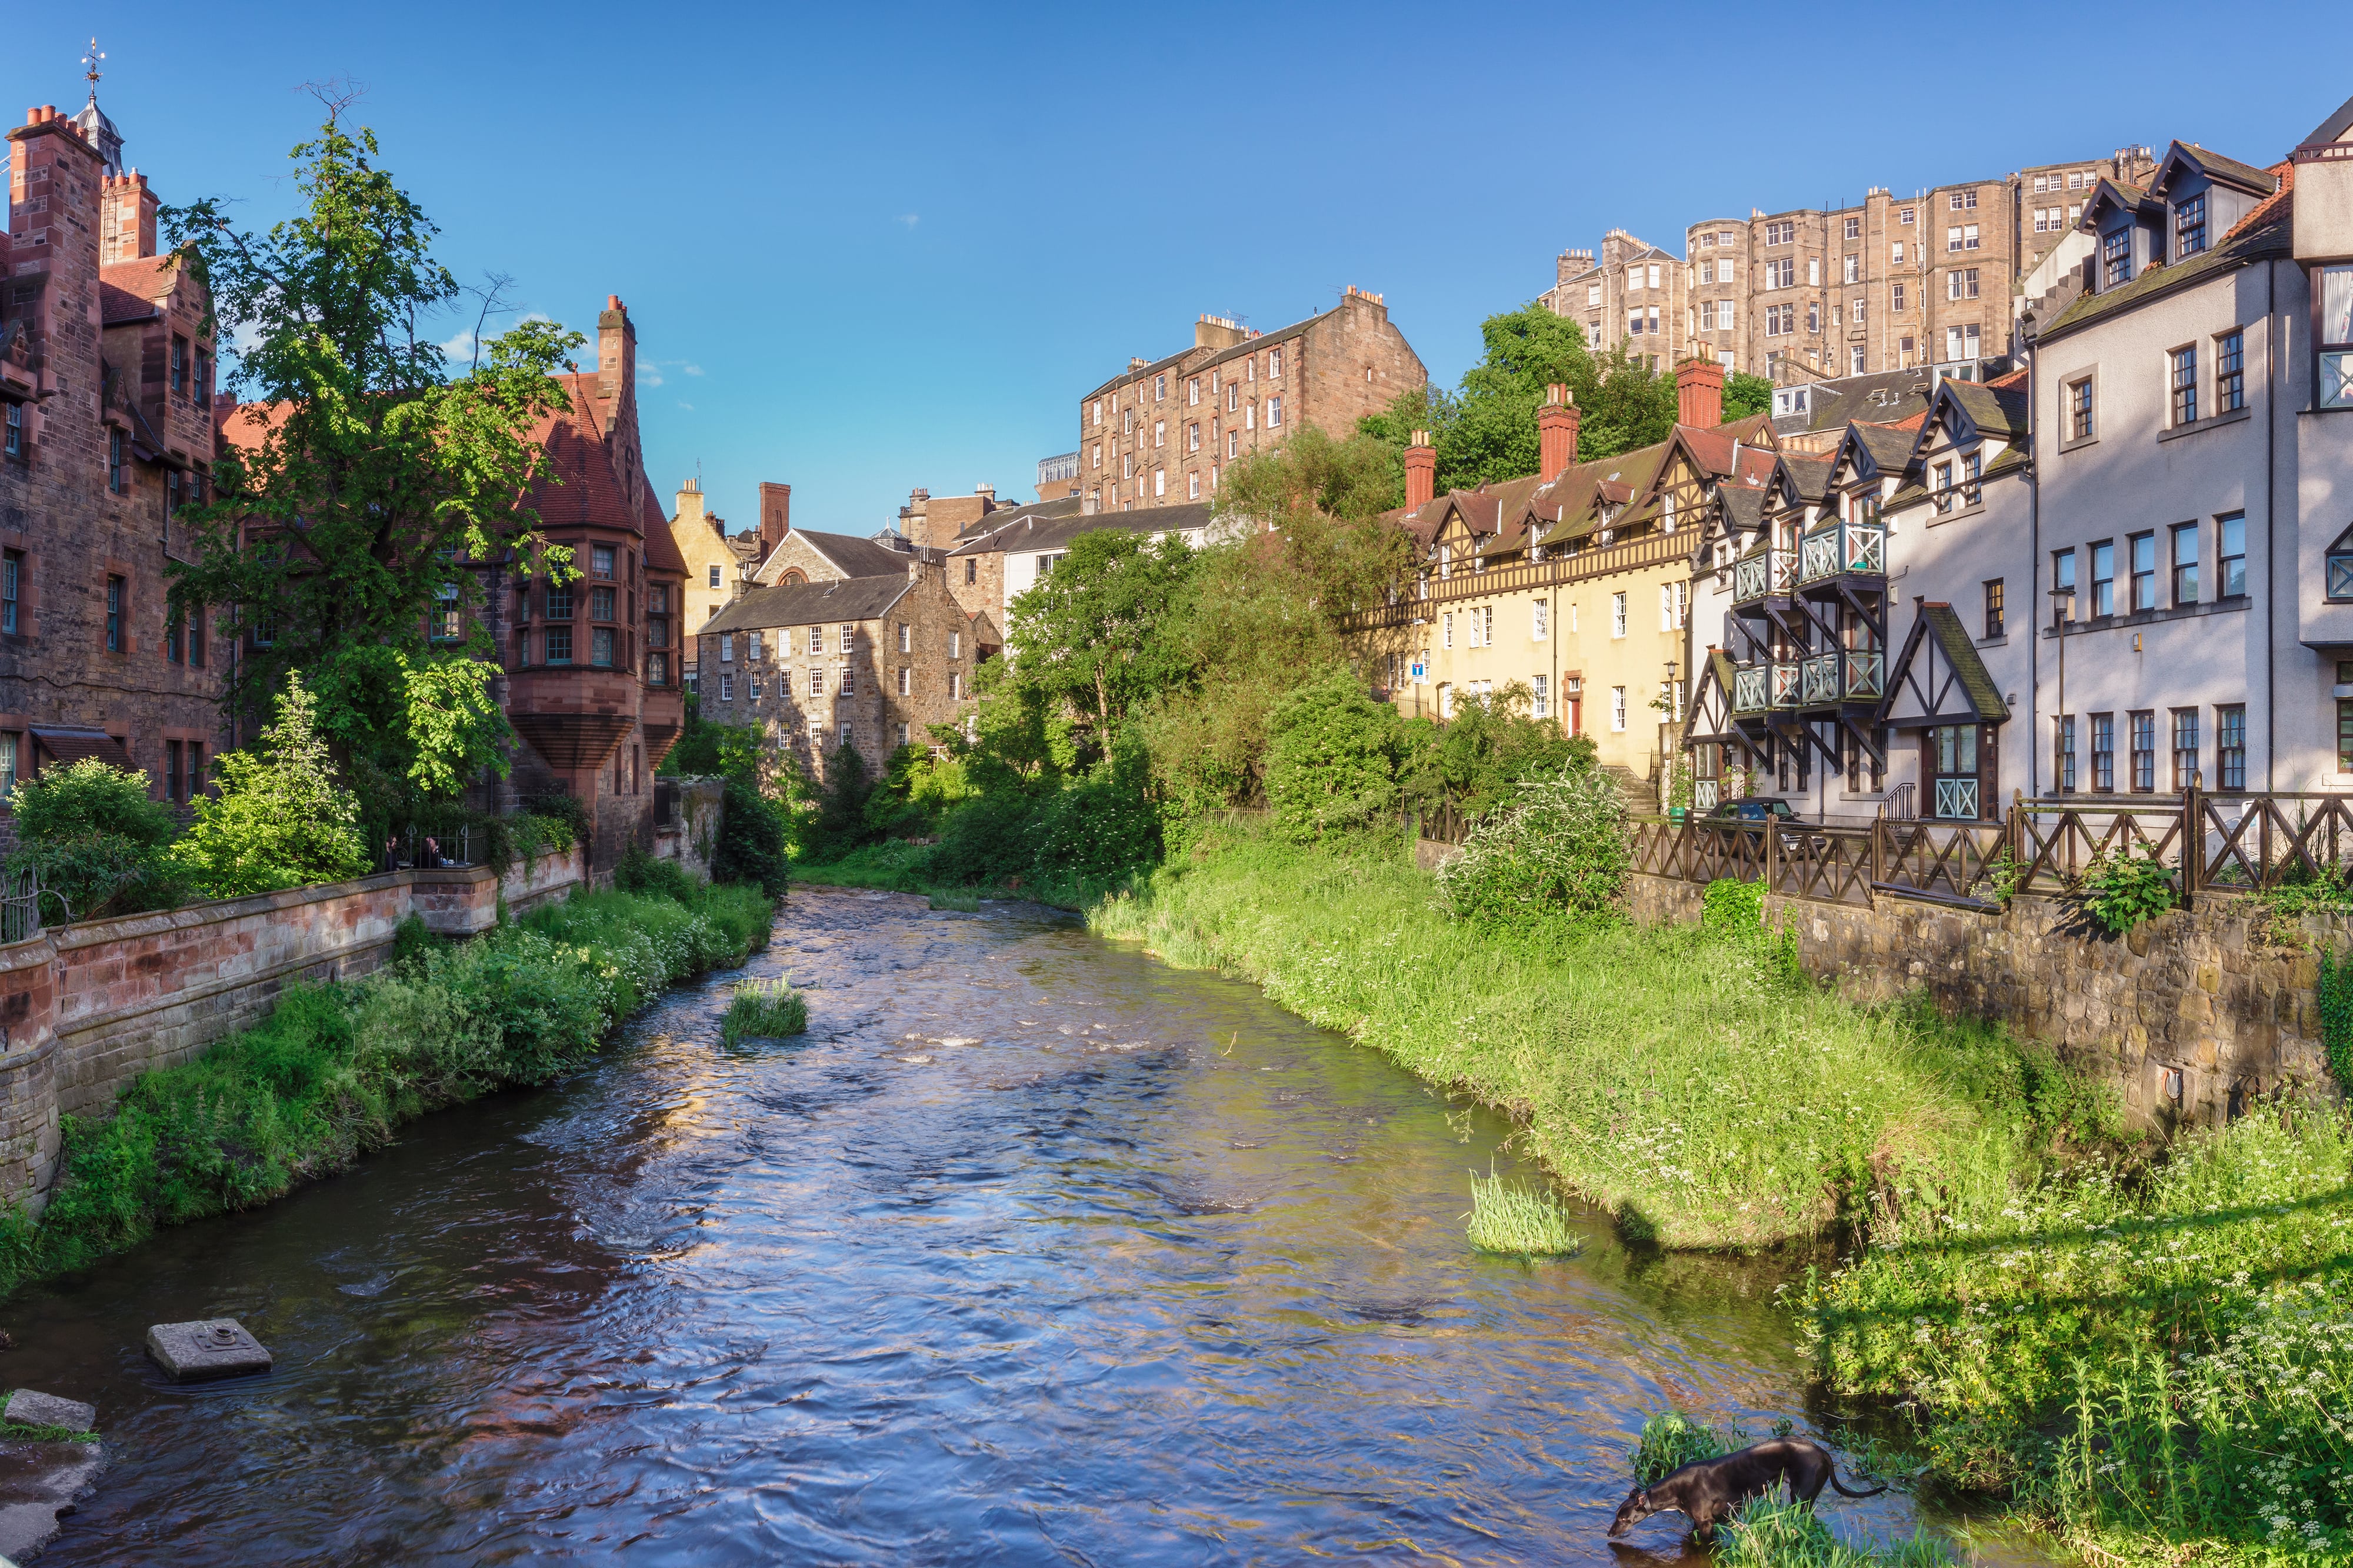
pixel 1699 390
pixel 691 512
pixel 1555 433
pixel 776 515
pixel 127 220
pixel 616 351
pixel 1420 472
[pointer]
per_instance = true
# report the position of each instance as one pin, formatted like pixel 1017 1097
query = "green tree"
pixel 1331 762
pixel 341 523
pixel 96 839
pixel 1092 636
pixel 1744 396
pixel 281 820
pixel 1485 431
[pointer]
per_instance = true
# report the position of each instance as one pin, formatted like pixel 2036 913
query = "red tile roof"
pixel 2285 172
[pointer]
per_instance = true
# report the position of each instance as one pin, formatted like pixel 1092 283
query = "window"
pixel 1446 629
pixel 972 568
pixel 1961 342
pixel 1617 618
pixel 2104 579
pixel 726 648
pixel 2116 258
pixel 15 435
pixel 2184 383
pixel 1160 388
pixel 1160 482
pixel 2230 555
pixel 752 689
pixel 1856 358
pixel 1273 412
pixel 172 769
pixel 955 686
pixel 2185 748
pixel 2144 571
pixel 1905 216
pixel 726 688
pixel 1593 295
pixel 2189 228
pixel 752 646
pixel 601 559
pixel 2080 425
pixel 714 575
pixel 1233 444
pixel 1617 707
pixel 2185 564
pixel 1540 703
pixel 1961 283
pixel 600 647
pixel 2230 746
pixel 195 646
pixel 1193 392
pixel 1854 228
pixel 1780 232
pixel 1993 618
pixel 1193 436
pixel 559 602
pixel 956 645
pixel 1671 601
pixel 657 670
pixel 1539 629
pixel 559 644
pixel 2231 372
pixel 1962 200
pixel 1813 316
pixel 1274 356
pixel 1782 274
pixel 1192 487
pixel 600 605
pixel 906 681
pixel 1953 238
pixel 2063 767
pixel 2063 576
pixel 12 588
pixel 817 681
pixel 204 394
pixel 816 640
pixel 114 615
pixel 2104 754
pixel 2336 389
pixel 1895 296
pixel 849 682
pixel 115 480
pixel 2144 751
pixel 845 641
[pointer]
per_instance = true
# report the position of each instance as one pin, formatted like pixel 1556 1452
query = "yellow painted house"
pixel 1574 584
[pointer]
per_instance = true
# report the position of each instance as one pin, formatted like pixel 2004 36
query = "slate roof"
pixel 1041 532
pixel 989 521
pixel 2332 128
pixel 2215 165
pixel 2000 410
pixel 1889 448
pixel 662 547
pixel 1882 396
pixel 2265 232
pixel 811 604
pixel 1248 345
pixel 853 556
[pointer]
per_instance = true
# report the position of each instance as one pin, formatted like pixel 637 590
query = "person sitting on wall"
pixel 431 855
pixel 391 854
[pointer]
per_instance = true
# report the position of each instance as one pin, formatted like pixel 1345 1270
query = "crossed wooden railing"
pixel 2234 842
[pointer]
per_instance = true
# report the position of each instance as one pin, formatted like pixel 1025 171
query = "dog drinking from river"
pixel 1711 1491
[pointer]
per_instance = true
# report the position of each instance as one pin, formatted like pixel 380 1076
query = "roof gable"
pixel 1938 677
pixel 2185 158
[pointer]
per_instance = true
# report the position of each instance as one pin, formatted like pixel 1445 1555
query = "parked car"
pixel 1750 808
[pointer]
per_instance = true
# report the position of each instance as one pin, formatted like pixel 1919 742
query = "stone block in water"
pixel 27 1408
pixel 210 1347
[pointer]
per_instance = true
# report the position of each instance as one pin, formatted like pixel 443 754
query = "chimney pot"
pixel 1556 424
pixel 1421 473
pixel 612 301
pixel 1699 392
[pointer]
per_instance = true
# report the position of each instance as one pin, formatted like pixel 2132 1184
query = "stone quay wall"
pixel 86 1008
pixel 2188 1016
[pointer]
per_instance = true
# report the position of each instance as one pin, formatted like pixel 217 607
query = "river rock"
pixel 210 1347
pixel 38 1483
pixel 28 1408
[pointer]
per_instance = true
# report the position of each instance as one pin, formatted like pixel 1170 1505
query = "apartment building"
pixel 2125 569
pixel 106 431
pixel 1883 284
pixel 1161 432
pixel 1573 583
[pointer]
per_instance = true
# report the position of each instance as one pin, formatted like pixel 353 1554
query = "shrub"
pixel 987 840
pixel 1731 908
pixel 96 840
pixel 1770 1534
pixel 281 820
pixel 1098 830
pixel 764 1008
pixel 753 833
pixel 2123 890
pixel 2333 993
pixel 1560 848
pixel 639 872
pixel 1331 766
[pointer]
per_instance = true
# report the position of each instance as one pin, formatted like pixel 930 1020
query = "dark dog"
pixel 1711 1491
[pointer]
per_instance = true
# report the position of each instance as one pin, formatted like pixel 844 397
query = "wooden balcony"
pixel 1444 593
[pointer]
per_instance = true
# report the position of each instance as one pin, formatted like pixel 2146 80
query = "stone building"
pixel 106 430
pixel 1007 556
pixel 936 523
pixel 1159 433
pixel 1058 476
pixel 867 662
pixel 713 564
pixel 1886 283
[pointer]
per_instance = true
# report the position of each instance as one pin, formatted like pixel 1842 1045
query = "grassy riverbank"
pixel 335 1069
pixel 1676 1077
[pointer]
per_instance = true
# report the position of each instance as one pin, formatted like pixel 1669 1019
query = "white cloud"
pixel 692 369
pixel 460 347
pixel 688 406
pixel 909 219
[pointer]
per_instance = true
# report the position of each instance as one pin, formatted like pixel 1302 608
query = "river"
pixel 1033 1250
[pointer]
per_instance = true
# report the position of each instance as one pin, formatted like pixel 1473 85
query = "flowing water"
pixel 1033 1250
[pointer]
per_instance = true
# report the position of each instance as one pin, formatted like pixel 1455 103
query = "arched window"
pixel 795 575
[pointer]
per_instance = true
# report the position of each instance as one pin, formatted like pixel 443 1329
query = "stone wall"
pixel 2188 1016
pixel 86 1008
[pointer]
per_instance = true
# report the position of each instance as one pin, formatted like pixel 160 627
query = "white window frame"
pixel 1618 614
pixel 1617 709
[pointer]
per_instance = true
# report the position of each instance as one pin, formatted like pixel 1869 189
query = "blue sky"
pixel 878 247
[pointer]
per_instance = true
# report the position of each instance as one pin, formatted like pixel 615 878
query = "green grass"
pixel 1678 1077
pixel 895 867
pixel 764 1010
pixel 1671 1440
pixel 1769 1533
pixel 335 1069
pixel 2155 1360
pixel 39 1431
pixel 1517 1220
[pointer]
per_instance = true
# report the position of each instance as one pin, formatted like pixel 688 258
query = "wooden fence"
pixel 2214 843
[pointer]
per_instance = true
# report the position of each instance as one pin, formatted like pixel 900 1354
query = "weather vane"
pixel 91 61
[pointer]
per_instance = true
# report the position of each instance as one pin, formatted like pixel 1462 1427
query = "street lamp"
pixel 2063 602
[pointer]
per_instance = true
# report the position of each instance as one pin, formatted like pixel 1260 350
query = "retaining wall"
pixel 86 1008
pixel 2188 1016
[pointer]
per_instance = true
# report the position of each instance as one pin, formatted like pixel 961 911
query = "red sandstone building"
pixel 106 430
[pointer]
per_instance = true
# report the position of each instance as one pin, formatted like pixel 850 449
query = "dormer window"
pixel 2189 227
pixel 2116 257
